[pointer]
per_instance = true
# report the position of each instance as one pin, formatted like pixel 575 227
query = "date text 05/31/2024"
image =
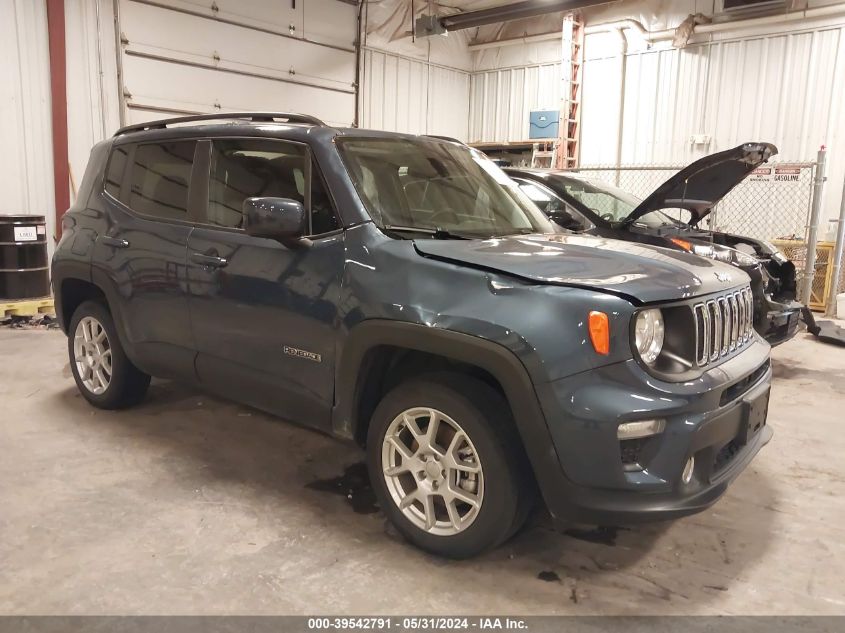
pixel 432 623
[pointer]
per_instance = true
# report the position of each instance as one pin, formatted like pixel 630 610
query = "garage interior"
pixel 189 504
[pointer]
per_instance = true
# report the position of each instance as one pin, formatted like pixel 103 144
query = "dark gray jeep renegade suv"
pixel 401 292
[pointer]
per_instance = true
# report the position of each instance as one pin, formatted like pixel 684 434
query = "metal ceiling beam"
pixel 516 11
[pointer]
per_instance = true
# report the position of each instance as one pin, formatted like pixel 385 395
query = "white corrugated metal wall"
pixel 778 87
pixel 26 163
pixel 785 87
pixel 92 101
pixel 500 100
pixel 402 94
pixel 418 85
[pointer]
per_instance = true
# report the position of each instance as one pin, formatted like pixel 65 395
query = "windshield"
pixel 613 204
pixel 433 185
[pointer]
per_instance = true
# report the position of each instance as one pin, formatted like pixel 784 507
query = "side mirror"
pixel 565 219
pixel 279 219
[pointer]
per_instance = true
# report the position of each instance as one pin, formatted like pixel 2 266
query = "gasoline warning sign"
pixel 781 173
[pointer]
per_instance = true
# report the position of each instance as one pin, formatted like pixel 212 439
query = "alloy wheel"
pixel 432 471
pixel 92 355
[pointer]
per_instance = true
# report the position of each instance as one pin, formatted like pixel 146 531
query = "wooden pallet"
pixel 26 307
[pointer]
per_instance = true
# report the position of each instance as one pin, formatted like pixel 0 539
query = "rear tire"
pixel 463 492
pixel 103 373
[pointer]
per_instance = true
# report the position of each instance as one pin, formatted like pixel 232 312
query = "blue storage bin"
pixel 544 123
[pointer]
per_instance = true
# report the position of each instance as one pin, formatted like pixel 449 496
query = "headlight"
pixel 648 334
pixel 744 259
pixel 719 253
pixel 704 250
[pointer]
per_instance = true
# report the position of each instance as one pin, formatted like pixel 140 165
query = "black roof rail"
pixel 255 117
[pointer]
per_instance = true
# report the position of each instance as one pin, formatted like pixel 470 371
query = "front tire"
pixel 447 466
pixel 103 373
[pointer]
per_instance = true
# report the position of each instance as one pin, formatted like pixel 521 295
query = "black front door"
pixel 264 315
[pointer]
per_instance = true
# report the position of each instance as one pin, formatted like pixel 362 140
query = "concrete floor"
pixel 187 504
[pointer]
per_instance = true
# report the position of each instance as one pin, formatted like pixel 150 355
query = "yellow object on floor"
pixel 26 307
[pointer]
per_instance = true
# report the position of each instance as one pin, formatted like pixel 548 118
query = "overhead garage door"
pixel 193 56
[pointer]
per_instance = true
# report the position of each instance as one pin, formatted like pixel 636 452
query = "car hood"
pixel 638 272
pixel 700 185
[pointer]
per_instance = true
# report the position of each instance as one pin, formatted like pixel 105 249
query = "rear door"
pixel 141 256
pixel 265 315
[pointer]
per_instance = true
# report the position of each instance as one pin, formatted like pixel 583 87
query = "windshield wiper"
pixel 436 233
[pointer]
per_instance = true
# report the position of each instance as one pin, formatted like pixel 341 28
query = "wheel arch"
pixel 73 292
pixel 491 359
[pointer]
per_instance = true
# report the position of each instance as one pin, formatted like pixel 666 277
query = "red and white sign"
pixel 761 174
pixel 779 173
pixel 787 174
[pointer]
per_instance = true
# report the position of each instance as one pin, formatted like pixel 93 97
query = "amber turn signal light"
pixel 600 332
pixel 682 243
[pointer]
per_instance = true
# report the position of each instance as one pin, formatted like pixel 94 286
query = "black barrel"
pixel 24 269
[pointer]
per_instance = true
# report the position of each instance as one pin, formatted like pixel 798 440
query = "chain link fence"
pixel 771 203
pixel 774 203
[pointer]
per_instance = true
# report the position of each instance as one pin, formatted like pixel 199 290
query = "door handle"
pixel 115 242
pixel 211 261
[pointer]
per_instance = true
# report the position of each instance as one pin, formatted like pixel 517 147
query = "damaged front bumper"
pixel 782 322
pixel 826 331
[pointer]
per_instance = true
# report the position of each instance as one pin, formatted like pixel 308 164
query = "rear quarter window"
pixel 115 170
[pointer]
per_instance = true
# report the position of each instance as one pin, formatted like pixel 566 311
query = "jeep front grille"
pixel 722 325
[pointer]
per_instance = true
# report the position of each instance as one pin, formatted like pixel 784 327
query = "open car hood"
pixel 700 185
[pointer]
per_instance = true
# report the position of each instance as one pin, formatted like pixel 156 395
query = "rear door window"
pixel 160 179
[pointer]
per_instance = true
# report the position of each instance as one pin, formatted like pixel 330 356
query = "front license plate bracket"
pixel 754 413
